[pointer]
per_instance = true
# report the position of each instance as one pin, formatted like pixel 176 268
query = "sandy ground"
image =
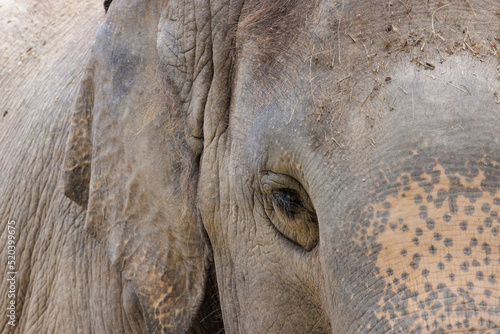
pixel 35 36
pixel 28 26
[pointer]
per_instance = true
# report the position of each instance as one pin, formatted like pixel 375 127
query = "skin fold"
pixel 262 167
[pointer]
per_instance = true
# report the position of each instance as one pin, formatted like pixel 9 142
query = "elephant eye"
pixel 287 201
pixel 290 210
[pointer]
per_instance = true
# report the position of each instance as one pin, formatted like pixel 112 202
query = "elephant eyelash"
pixel 288 201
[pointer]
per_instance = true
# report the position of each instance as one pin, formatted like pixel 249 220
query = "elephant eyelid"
pixel 290 210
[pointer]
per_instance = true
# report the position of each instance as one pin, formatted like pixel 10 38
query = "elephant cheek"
pixel 436 247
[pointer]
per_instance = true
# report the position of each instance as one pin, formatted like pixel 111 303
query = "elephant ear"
pixel 76 167
pixel 107 3
pixel 133 153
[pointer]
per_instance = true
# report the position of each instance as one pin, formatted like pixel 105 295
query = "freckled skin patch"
pixel 439 253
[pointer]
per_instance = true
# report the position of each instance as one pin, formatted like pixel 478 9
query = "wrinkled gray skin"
pixel 327 182
pixel 65 282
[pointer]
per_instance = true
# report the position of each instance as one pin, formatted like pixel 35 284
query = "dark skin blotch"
pixel 473 242
pixel 452 202
pixel 435 176
pixel 418 199
pixel 442 195
pixel 463 226
pixel 491 183
pixel 485 208
pixel 430 224
pixel 428 187
pixel 423 212
pixel 486 248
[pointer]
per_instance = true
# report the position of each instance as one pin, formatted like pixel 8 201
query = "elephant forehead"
pixel 436 244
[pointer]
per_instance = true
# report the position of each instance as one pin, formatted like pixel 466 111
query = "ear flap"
pixel 76 167
pixel 107 3
pixel 144 142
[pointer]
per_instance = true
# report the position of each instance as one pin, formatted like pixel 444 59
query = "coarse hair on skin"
pixel 273 25
pixel 268 14
pixel 170 112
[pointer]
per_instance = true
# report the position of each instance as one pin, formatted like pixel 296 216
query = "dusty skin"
pixel 259 166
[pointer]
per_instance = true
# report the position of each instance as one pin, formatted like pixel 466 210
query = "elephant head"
pixel 336 163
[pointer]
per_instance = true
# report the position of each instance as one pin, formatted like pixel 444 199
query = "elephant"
pixel 266 167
